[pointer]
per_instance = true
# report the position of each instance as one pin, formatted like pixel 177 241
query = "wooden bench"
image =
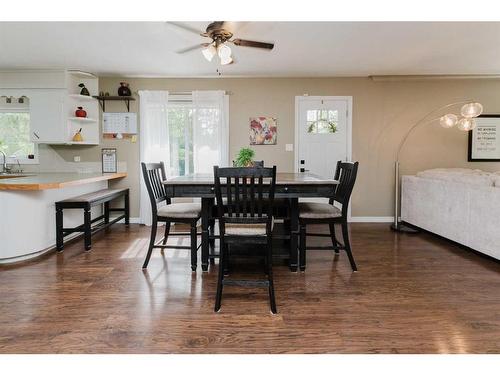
pixel 86 202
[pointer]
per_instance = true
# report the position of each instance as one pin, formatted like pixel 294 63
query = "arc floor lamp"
pixel 470 109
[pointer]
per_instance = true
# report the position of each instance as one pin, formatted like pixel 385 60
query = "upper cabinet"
pixel 47 116
pixel 54 96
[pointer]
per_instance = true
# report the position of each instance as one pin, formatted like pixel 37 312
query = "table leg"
pixel 294 230
pixel 205 245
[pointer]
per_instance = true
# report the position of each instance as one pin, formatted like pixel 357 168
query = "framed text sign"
pixel 484 139
pixel 109 164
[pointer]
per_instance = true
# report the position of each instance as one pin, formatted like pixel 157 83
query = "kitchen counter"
pixel 27 209
pixel 44 181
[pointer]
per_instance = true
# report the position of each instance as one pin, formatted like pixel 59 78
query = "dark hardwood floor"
pixel 412 294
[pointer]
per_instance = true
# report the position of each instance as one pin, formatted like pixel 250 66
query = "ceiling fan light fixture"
pixel 209 52
pixel 224 51
pixel 226 60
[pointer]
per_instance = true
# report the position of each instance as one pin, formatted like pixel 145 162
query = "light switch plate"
pixel 289 147
pixel 76 159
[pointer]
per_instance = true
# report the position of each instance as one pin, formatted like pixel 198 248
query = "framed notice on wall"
pixel 484 139
pixel 109 164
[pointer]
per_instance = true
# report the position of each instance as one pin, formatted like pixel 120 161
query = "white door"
pixel 323 133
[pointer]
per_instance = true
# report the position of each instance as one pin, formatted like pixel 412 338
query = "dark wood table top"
pixel 304 178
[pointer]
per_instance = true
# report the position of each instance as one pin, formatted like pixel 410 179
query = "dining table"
pixel 291 186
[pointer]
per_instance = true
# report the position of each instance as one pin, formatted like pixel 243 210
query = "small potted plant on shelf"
pixel 245 158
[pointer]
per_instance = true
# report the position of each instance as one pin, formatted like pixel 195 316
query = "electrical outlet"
pixel 76 159
pixel 289 147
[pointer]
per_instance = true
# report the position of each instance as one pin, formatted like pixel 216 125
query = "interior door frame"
pixel 304 98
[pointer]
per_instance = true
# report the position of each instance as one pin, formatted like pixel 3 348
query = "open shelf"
pixel 103 99
pixel 82 119
pixel 82 97
pixel 84 143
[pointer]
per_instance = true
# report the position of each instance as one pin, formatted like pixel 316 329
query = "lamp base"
pixel 402 228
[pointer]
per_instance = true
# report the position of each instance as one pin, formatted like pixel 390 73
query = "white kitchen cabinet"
pixel 47 116
pixel 53 96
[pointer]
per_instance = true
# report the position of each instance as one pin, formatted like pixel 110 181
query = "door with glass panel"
pixel 323 133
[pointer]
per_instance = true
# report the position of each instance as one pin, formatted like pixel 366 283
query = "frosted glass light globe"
pixel 224 51
pixel 226 60
pixel 209 52
pixel 466 124
pixel 448 121
pixel 470 110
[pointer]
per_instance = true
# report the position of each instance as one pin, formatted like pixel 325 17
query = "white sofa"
pixel 462 205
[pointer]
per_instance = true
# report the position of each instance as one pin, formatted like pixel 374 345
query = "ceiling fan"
pixel 221 36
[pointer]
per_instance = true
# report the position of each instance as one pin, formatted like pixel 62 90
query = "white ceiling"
pixel 301 48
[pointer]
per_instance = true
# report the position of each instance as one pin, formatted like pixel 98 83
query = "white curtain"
pixel 210 130
pixel 154 139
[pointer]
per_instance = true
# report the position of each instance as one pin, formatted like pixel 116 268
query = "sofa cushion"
pixel 461 175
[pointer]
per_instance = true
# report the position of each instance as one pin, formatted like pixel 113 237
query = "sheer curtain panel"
pixel 210 130
pixel 154 139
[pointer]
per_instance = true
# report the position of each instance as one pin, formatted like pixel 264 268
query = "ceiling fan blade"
pixel 192 48
pixel 252 43
pixel 186 28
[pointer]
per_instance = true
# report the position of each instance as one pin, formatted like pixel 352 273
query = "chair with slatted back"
pixel 245 218
pixel 187 213
pixel 327 213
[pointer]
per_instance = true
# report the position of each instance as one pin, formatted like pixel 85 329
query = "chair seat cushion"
pixel 313 210
pixel 258 229
pixel 180 210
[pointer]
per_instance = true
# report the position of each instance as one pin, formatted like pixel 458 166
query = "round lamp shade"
pixel 224 51
pixel 448 121
pixel 209 52
pixel 466 124
pixel 470 110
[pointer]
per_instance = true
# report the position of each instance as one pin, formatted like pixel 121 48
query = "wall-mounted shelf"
pixel 82 119
pixel 82 97
pixel 103 99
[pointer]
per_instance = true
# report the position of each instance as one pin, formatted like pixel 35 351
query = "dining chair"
pixel 327 213
pixel 245 218
pixel 188 213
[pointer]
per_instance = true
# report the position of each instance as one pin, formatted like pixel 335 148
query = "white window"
pixel 15 133
pixel 197 133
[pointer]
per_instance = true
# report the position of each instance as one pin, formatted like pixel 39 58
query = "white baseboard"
pixel 372 219
pixel 354 219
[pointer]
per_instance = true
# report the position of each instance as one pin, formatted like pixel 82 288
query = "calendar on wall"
pixel 119 123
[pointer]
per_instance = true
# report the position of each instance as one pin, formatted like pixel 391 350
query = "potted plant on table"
pixel 245 158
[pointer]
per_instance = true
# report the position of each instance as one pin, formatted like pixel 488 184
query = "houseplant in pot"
pixel 244 158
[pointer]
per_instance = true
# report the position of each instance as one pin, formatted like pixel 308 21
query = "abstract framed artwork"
pixel 263 130
pixel 484 139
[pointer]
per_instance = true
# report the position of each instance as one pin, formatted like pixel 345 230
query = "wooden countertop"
pixel 44 181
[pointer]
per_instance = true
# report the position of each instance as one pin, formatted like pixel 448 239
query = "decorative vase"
pixel 80 112
pixel 84 90
pixel 78 136
pixel 124 90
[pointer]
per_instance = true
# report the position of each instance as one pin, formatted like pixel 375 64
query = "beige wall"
pixel 382 113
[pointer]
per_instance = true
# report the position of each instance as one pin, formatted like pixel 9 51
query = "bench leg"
pixel 87 229
pixel 106 212
pixel 59 230
pixel 127 209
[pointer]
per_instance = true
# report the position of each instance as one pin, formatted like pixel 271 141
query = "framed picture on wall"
pixel 484 139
